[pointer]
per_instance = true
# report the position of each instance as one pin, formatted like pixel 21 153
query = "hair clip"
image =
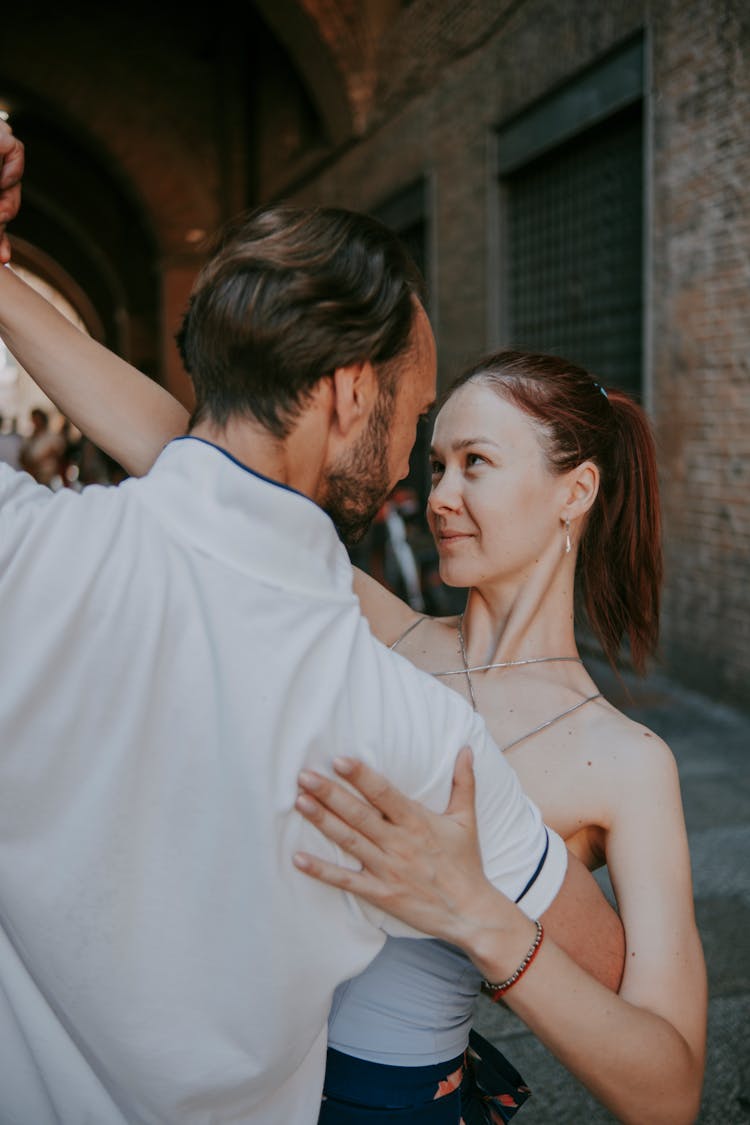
pixel 599 387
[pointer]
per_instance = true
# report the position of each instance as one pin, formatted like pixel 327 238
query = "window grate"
pixel 574 251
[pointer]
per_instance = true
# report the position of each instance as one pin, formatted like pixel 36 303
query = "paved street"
pixel 712 747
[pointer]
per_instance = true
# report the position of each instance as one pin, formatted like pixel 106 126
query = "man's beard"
pixel 358 484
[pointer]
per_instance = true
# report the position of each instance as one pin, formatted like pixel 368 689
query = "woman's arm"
pixel 644 1055
pixel 641 1055
pixel 389 617
pixel 11 170
pixel 648 861
pixel 119 408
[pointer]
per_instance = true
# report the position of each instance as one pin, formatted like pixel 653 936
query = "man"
pixel 181 646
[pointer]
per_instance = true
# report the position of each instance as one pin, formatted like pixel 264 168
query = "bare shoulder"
pixel 629 752
pixel 392 620
pixel 620 779
pixel 433 646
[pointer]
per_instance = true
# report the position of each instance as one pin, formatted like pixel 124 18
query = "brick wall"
pixel 701 335
pixel 450 74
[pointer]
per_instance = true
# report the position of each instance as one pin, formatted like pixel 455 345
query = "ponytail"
pixel 620 556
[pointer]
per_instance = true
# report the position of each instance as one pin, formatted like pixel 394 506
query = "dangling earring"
pixel 568 544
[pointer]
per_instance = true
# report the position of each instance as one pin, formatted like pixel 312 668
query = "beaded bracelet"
pixel 496 990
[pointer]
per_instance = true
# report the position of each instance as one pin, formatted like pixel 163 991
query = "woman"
pixel 540 477
pixel 537 472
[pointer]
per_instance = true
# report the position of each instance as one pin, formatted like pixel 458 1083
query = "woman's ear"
pixel 355 389
pixel 583 486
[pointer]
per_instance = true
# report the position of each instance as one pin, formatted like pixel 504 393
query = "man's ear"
pixel 583 486
pixel 355 389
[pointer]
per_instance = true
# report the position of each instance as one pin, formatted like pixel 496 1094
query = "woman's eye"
pixel 474 459
pixel 436 468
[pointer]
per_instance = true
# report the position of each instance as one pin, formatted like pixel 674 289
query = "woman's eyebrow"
pixel 464 443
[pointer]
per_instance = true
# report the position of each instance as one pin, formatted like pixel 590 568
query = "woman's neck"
pixel 515 620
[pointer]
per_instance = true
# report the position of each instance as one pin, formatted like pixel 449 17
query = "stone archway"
pixel 81 229
pixel 296 27
pixel 147 127
pixel 334 46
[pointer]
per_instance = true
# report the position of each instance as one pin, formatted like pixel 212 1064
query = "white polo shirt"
pixel 172 652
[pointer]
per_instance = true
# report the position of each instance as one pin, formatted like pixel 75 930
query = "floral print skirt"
pixel 479 1087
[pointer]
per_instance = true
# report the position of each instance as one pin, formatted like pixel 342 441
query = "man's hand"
pixel 11 171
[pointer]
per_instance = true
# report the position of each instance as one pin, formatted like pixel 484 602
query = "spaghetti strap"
pixel 406 632
pixel 550 722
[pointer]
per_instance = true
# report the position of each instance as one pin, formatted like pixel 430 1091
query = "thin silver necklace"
pixel 466 671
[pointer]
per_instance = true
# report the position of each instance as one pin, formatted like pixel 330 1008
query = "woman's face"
pixel 495 508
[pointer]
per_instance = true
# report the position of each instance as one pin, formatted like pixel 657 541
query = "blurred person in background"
pixel 10 444
pixel 43 451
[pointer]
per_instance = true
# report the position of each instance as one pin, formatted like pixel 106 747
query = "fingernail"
pixel 343 765
pixel 301 861
pixel 309 780
pixel 305 804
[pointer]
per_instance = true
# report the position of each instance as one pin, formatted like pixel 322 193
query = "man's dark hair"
pixel 289 295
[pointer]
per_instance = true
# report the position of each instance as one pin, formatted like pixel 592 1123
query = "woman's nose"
pixel 445 494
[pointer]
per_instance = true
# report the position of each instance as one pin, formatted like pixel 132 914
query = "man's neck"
pixel 295 461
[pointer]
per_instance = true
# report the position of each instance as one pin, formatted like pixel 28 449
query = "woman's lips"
pixel 451 538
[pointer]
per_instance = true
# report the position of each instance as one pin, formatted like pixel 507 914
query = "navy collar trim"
pixel 244 467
